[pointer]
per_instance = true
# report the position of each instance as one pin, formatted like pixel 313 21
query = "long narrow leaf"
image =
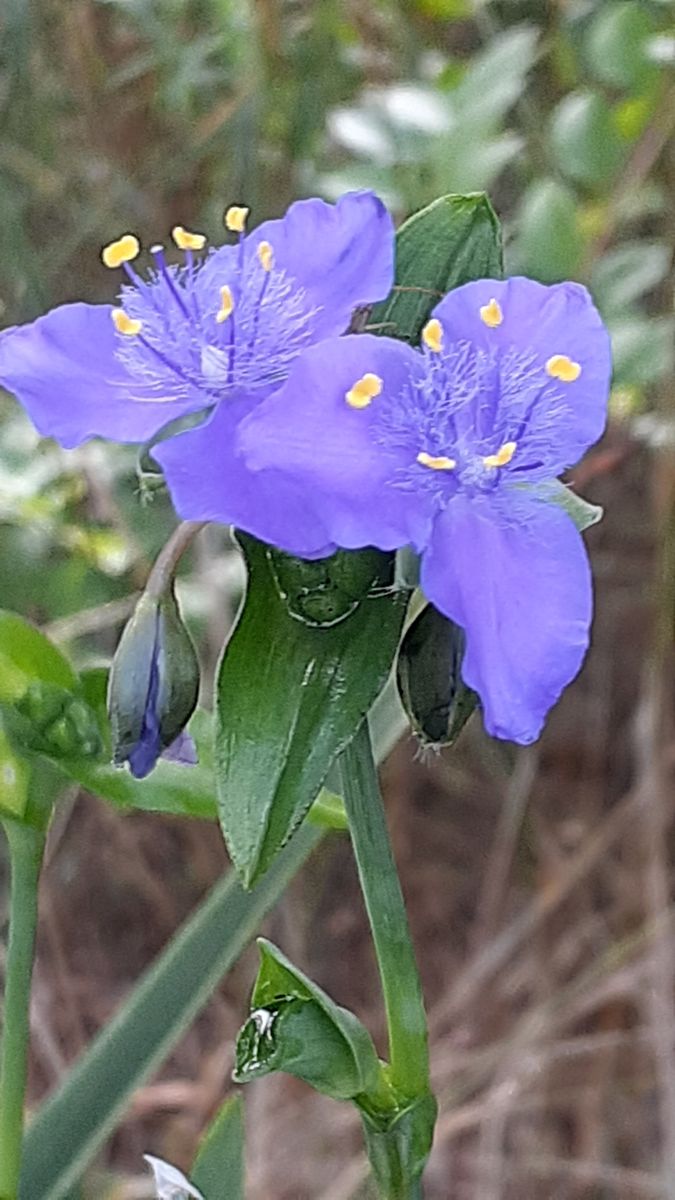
pixel 71 1127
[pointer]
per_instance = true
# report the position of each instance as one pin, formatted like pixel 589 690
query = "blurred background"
pixel 540 884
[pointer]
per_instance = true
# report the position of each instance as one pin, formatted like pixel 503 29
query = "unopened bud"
pixel 153 687
pixel 429 676
pixel 50 720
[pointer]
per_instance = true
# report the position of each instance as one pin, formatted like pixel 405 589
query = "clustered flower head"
pixel 312 438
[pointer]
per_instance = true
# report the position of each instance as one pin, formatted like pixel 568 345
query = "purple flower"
pixel 455 450
pixel 212 336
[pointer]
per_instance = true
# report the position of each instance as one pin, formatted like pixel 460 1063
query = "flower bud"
pixel 429 676
pixel 325 591
pixel 49 719
pixel 153 687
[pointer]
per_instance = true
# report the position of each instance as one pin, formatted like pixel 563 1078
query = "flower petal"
pixel 341 254
pixel 520 586
pixel 560 320
pixel 309 431
pixel 209 481
pixel 64 370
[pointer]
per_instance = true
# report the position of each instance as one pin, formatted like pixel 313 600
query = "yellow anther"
pixel 186 240
pixel 364 390
pixel 266 255
pixel 226 304
pixel 437 463
pixel 432 335
pixel 235 218
pixel 559 366
pixel 123 250
pixel 491 314
pixel 503 456
pixel 124 323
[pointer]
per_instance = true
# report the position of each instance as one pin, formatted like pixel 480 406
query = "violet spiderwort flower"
pixel 213 335
pixel 453 449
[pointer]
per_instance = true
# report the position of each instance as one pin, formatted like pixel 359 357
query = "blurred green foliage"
pixel 136 114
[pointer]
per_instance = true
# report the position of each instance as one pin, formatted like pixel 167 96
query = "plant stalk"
pixel 398 1152
pixel 26 849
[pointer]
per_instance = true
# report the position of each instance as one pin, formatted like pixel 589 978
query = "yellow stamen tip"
pixel 436 463
pixel 491 314
pixel 432 335
pixel 123 250
pixel 186 240
pixel 266 255
pixel 364 390
pixel 559 366
pixel 235 218
pixel 124 323
pixel 226 304
pixel 503 456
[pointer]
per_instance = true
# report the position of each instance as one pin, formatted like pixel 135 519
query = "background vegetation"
pixel 540 884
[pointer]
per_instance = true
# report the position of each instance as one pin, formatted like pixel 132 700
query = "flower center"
pixel 471 419
pixel 229 322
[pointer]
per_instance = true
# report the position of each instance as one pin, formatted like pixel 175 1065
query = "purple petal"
pixel 341 254
pixel 209 481
pixel 520 587
pixel 64 370
pixel 542 321
pixel 333 451
pixel 182 751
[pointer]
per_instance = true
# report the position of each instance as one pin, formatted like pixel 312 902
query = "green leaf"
pixel 616 44
pixel 14 779
pixel 179 790
pixel 549 245
pixel 624 275
pixel 495 78
pixel 69 1129
pixel 290 698
pixel 27 655
pixel 218 1169
pixel 295 1027
pixel 452 241
pixel 586 144
pixel 642 348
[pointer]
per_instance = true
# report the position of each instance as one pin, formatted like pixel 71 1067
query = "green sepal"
pixel 429 677
pixel 579 510
pixel 296 1028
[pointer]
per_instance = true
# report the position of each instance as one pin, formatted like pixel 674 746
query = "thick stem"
pixel 26 848
pixel 406 1018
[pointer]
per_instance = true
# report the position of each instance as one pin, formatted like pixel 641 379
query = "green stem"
pixel 26 847
pixel 406 1018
